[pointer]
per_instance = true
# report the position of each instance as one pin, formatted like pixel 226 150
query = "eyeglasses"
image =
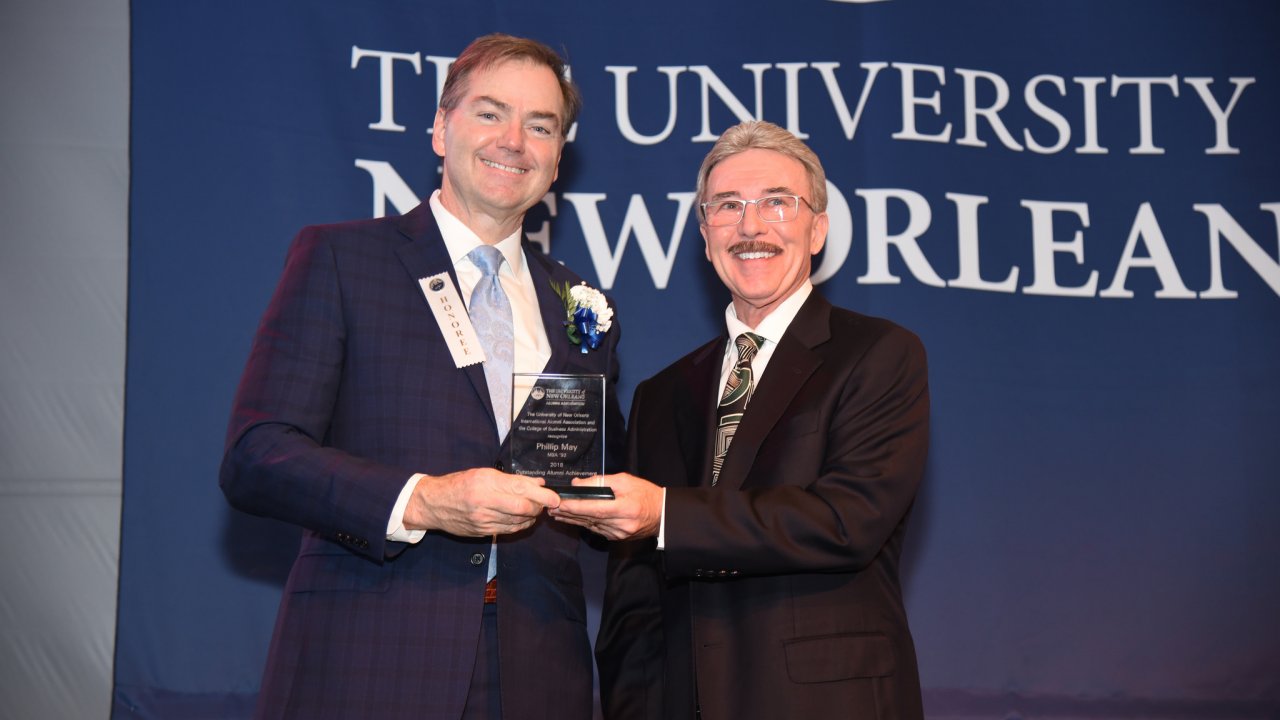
pixel 770 208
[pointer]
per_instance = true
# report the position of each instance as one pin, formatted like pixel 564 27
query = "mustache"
pixel 753 246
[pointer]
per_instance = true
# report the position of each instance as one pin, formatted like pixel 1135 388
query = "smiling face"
pixel 762 263
pixel 501 146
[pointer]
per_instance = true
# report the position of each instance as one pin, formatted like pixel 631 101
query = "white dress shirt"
pixel 532 348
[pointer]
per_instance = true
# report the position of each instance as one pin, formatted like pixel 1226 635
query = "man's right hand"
pixel 477 502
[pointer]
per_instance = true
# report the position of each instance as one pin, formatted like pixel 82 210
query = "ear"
pixel 818 236
pixel 706 242
pixel 437 133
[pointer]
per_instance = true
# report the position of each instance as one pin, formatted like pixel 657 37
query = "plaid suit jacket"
pixel 348 391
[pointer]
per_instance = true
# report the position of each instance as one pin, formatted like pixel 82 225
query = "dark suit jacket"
pixel 778 590
pixel 348 391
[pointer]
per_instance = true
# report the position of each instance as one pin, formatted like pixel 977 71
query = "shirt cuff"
pixel 395 526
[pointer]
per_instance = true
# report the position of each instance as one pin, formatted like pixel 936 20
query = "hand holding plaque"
pixel 559 434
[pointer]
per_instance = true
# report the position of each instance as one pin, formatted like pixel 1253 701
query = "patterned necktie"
pixel 490 312
pixel 734 399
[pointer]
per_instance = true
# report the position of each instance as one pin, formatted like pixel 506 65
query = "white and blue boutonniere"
pixel 588 314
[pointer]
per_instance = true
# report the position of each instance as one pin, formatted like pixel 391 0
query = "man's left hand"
pixel 635 512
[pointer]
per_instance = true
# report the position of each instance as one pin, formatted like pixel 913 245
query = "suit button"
pixel 499 466
pixel 477 559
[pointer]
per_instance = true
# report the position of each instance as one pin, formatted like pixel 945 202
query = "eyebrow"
pixel 487 100
pixel 779 190
pixel 540 115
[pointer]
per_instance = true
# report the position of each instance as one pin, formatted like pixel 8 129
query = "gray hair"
pixel 764 135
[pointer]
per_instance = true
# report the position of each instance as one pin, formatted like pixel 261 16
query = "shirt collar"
pixel 460 240
pixel 775 324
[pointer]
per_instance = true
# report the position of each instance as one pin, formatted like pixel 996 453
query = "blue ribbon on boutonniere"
pixel 585 322
pixel 587 314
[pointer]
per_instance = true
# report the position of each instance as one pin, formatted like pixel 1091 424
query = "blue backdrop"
pixel 1075 205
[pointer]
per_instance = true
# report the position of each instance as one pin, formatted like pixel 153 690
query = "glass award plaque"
pixel 559 434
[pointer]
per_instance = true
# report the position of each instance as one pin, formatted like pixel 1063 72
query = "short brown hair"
pixel 764 135
pixel 488 50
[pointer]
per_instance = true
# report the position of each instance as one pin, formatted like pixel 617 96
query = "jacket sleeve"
pixel 276 463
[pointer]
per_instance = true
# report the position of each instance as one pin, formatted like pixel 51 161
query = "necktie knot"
pixel 488 258
pixel 748 345
pixel 737 391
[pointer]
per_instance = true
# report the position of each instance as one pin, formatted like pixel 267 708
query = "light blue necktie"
pixel 490 312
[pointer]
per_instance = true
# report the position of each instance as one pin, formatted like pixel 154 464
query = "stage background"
pixel 1075 205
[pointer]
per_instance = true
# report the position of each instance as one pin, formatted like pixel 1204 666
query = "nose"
pixel 512 136
pixel 751 225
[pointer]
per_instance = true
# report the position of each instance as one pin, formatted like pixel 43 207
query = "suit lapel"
pixel 792 364
pixel 552 311
pixel 425 256
pixel 695 414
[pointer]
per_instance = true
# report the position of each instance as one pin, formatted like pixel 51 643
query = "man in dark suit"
pixel 759 575
pixel 427 586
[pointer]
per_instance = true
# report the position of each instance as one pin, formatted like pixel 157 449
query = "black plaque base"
pixel 584 493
